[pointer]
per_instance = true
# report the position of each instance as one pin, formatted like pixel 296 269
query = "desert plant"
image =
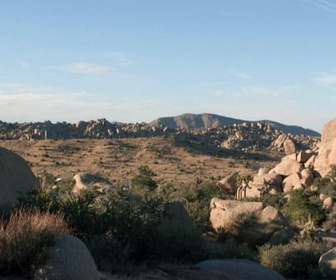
pixel 295 259
pixel 143 181
pixel 24 237
pixel 178 244
pixel 304 206
pixel 230 248
pixel 196 199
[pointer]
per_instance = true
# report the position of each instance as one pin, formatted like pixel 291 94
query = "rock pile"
pixel 243 137
pixel 297 170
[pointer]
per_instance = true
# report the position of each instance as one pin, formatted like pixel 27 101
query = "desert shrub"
pixel 143 182
pixel 196 199
pixel 24 237
pixel 109 253
pixel 295 259
pixel 230 248
pixel 178 244
pixel 304 206
pixel 275 200
pixel 129 218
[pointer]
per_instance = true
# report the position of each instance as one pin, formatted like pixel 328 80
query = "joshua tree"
pixel 242 185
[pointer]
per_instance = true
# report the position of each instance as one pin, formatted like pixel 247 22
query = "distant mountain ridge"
pixel 190 121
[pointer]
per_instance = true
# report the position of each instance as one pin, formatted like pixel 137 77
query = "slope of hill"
pixel 190 121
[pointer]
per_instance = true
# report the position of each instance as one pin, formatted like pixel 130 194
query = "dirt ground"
pixel 119 159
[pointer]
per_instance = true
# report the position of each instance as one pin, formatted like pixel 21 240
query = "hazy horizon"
pixel 130 61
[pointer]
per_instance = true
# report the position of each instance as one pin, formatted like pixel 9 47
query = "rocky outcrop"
pixel 16 178
pixel 246 136
pixel 328 132
pixel 249 222
pixel 68 259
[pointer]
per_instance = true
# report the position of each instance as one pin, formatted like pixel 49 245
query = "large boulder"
pixel 273 180
pixel 87 180
pixel 287 167
pixel 304 156
pixel 329 132
pixel 16 178
pixel 249 222
pixel 291 181
pixel 332 155
pixel 289 147
pixel 322 164
pixel 68 259
pixel 228 184
pixel 237 269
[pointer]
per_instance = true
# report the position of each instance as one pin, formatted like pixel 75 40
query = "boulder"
pixel 328 132
pixel 228 184
pixel 280 140
pixel 237 269
pixel 289 147
pixel 249 223
pixel 307 177
pixel 290 181
pixel 309 164
pixel 16 178
pixel 178 216
pixel 287 167
pixel 86 180
pixel 68 259
pixel 328 203
pixel 332 154
pixel 321 164
pixel 225 213
pixel 274 180
pixel 304 156
pixel 327 263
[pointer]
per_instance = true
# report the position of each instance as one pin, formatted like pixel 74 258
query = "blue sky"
pixel 135 61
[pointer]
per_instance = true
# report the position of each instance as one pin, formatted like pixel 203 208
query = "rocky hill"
pixel 191 121
pixel 247 136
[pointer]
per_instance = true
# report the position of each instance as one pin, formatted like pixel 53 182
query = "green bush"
pixel 295 259
pixel 178 244
pixel 196 199
pixel 304 206
pixel 24 237
pixel 130 219
pixel 230 248
pixel 143 182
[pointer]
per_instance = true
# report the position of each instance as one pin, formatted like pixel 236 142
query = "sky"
pixel 136 61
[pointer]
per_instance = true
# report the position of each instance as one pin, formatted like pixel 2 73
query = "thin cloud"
pixel 121 58
pixel 326 79
pixel 86 68
pixel 241 75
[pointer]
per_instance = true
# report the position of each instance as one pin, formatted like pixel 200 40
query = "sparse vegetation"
pixel 296 259
pixel 24 237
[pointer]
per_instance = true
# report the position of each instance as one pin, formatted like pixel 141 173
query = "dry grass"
pixel 24 236
pixel 119 159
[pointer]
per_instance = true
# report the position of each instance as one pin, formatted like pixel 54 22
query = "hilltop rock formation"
pixel 246 136
pixel 16 178
pixel 297 170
